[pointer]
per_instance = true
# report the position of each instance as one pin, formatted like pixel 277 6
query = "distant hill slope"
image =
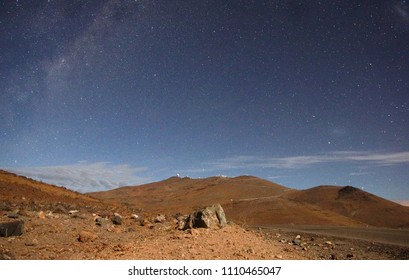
pixel 185 194
pixel 254 201
pixel 26 192
pixel 355 204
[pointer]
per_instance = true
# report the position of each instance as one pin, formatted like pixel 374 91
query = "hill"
pixel 254 201
pixel 185 194
pixel 355 204
pixel 27 193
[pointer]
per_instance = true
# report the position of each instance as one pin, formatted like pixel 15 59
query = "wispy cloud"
pixel 297 162
pixel 87 177
pixel 360 173
pixel 374 157
pixel 277 177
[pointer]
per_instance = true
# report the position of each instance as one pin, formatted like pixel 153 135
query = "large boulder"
pixel 208 217
pixel 14 228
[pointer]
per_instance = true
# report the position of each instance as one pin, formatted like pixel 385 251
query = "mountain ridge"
pixel 246 200
pixel 255 201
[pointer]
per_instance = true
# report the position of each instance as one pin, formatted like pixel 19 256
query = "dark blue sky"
pixel 97 94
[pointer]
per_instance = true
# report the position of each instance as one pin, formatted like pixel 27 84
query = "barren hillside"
pixel 255 201
pixel 185 194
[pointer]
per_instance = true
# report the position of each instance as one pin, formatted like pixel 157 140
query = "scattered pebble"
pixel 85 236
pixel 33 242
pixel 41 215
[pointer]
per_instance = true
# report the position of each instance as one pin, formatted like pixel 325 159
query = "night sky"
pixel 103 93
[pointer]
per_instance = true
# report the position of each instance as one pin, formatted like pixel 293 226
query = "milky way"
pixel 97 94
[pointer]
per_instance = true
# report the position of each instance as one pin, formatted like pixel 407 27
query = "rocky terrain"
pixel 40 221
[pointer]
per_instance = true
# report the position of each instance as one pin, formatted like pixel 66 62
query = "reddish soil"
pixel 51 232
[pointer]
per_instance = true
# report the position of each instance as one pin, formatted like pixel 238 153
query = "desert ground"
pixel 265 221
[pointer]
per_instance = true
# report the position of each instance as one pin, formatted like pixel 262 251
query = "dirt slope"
pixel 281 211
pixel 354 204
pixel 29 194
pixel 185 194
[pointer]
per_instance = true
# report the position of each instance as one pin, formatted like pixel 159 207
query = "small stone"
pixel 118 215
pixel 137 218
pixel 116 220
pixel 12 215
pixel 33 242
pixel 86 236
pixel 41 215
pixel 160 218
pixel 279 257
pixel 350 256
pixel 328 242
pixel 130 230
pixel 297 242
pixel 298 237
pixel 73 212
pixel 145 222
pixel 181 222
pixel 99 221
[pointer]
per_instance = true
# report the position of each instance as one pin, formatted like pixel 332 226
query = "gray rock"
pixel 99 221
pixel 297 242
pixel 73 212
pixel 12 215
pixel 14 228
pixel 160 218
pixel 182 222
pixel 136 217
pixel 116 220
pixel 209 217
